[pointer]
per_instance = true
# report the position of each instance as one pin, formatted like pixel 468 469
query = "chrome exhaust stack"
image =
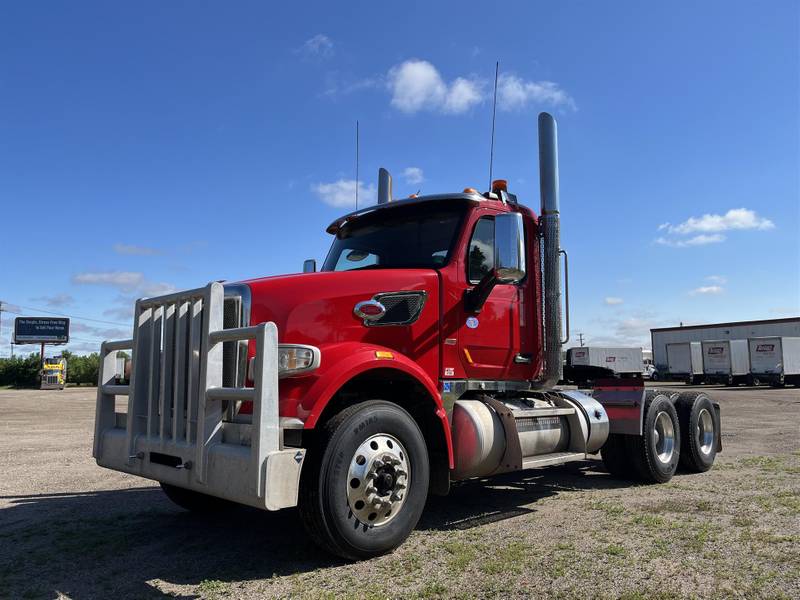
pixel 551 250
pixel 384 186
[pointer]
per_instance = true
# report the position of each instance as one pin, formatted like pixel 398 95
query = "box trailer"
pixel 685 361
pixel 591 361
pixel 775 360
pixel 726 361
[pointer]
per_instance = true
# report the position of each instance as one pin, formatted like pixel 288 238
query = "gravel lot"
pixel 69 528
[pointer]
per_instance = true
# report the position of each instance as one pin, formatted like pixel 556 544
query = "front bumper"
pixel 178 427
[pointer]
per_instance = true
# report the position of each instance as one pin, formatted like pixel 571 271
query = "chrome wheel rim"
pixel 705 431
pixel 664 437
pixel 377 480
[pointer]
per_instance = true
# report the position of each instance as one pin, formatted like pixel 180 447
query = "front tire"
pixel 365 481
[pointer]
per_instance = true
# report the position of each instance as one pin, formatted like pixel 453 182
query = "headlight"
pixel 294 359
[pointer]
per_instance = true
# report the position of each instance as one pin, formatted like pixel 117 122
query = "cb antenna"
pixel 494 112
pixel 356 164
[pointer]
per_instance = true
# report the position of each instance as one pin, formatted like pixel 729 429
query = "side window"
pixel 481 250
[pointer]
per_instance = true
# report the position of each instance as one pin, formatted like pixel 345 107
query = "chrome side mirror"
pixel 309 266
pixel 509 260
pixel 509 247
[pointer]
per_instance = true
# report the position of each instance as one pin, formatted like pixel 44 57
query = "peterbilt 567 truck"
pixel 426 350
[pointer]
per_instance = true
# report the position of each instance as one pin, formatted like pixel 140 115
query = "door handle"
pixel 522 359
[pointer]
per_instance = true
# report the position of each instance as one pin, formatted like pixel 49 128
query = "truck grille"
pixel 169 341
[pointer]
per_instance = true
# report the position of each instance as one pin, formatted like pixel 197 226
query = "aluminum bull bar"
pixel 174 429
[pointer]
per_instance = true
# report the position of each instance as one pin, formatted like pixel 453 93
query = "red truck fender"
pixel 349 360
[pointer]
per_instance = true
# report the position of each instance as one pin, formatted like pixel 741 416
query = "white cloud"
pixel 337 85
pixel 709 227
pixel 121 313
pixel 613 300
pixel 736 218
pixel 698 240
pixel 318 46
pixel 124 280
pixel 462 95
pixel 514 93
pixel 717 279
pixel 707 289
pixel 342 193
pixel 55 301
pixel 133 250
pixel 129 282
pixel 413 175
pixel 417 85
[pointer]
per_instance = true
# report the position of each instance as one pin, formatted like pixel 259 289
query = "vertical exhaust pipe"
pixel 384 186
pixel 551 265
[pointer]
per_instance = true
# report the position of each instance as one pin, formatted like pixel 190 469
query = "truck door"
pixel 494 343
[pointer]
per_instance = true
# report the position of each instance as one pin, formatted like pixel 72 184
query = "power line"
pixel 60 314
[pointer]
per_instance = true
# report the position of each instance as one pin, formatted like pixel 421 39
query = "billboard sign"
pixel 36 330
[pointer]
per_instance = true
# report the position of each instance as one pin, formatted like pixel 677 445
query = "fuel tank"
pixel 571 422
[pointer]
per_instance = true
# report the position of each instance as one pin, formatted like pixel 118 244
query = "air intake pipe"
pixel 549 221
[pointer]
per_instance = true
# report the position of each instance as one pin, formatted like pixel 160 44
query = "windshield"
pixel 420 238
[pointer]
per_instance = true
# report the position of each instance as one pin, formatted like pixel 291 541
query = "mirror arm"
pixel 476 297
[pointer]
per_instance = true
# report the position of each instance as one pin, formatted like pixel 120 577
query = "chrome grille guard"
pixel 175 405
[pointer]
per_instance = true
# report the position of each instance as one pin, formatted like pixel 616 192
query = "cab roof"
pixel 467 198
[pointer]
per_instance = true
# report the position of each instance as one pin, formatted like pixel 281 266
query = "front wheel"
pixel 365 480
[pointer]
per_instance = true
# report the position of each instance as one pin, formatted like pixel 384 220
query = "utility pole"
pixel 580 339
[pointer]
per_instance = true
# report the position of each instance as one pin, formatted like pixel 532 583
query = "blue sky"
pixel 153 146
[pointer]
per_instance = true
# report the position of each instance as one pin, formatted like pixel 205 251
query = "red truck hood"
pixel 317 308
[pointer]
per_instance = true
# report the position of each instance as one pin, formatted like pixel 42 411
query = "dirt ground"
pixel 71 529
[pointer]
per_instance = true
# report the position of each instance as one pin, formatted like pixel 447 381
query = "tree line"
pixel 25 371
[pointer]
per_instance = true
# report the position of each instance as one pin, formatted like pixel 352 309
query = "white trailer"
pixel 685 361
pixel 726 361
pixel 775 359
pixel 624 362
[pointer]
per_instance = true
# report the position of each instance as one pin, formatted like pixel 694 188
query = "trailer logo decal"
pixel 611 359
pixel 716 350
pixel 472 322
pixel 765 347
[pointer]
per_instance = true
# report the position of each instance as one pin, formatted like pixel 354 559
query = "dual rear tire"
pixel 681 430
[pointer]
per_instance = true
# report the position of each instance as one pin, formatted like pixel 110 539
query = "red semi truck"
pixel 426 350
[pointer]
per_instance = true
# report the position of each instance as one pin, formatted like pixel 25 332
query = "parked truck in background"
pixel 774 360
pixel 426 350
pixel 54 373
pixel 587 363
pixel 726 361
pixel 685 361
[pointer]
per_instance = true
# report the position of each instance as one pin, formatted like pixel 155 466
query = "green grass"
pixel 213 588
pixel 650 521
pixel 615 550
pixel 612 510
